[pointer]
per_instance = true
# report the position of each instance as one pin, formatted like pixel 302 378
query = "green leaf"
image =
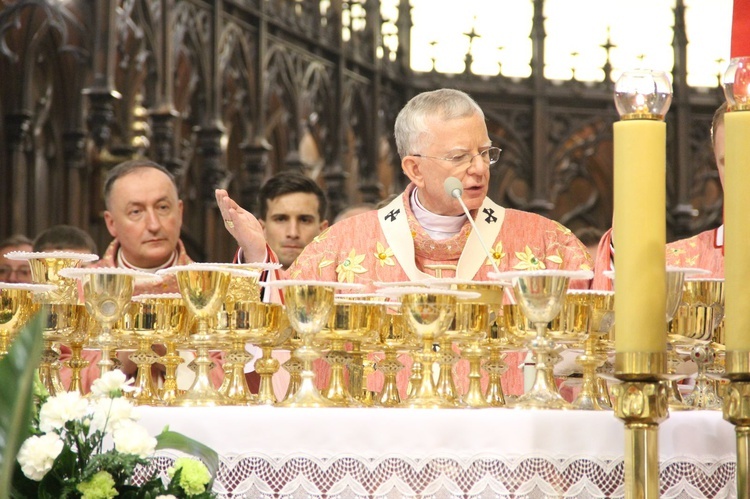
pixel 17 370
pixel 173 440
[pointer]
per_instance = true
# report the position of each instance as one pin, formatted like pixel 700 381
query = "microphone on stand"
pixel 455 189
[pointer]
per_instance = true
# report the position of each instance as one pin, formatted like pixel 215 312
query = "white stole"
pixel 395 226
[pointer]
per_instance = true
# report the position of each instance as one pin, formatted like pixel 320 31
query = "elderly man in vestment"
pixel 702 251
pixel 439 134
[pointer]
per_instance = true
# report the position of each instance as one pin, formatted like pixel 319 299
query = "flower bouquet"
pixel 90 447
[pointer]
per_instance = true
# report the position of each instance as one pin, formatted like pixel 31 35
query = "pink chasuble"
pixel 702 251
pixel 359 250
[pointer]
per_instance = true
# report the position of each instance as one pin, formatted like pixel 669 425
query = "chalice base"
pixel 704 395
pixel 542 395
pixel 674 398
pixel 237 390
pixel 307 395
pixel 202 393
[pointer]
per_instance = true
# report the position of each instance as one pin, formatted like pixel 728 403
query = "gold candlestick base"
pixel 737 411
pixel 642 405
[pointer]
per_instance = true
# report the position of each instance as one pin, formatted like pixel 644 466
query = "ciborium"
pixel 203 288
pixel 308 306
pixel 540 295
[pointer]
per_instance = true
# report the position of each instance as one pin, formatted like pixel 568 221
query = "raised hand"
pixel 243 226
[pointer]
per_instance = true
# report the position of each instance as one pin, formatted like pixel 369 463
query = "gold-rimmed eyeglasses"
pixel 489 156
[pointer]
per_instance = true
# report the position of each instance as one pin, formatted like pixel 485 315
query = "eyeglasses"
pixel 489 156
pixel 22 272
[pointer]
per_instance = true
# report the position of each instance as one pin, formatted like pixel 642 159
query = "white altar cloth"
pixel 290 452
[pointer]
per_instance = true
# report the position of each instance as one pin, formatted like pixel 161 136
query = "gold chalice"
pixel 62 321
pixel 309 305
pixel 168 315
pixel 428 312
pixel 540 295
pixel 346 323
pixel 141 318
pixel 590 314
pixel 203 289
pixel 235 321
pixel 45 269
pixel 393 337
pixel 16 307
pixel 273 332
pixel 675 285
pixel 361 342
pixel 470 330
pixel 106 292
pixel 696 321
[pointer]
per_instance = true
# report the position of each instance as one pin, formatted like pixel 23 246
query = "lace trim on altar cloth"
pixel 259 476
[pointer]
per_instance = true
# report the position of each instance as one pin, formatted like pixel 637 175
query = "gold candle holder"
pixel 736 269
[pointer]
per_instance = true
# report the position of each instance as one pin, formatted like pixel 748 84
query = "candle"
pixel 640 225
pixel 737 231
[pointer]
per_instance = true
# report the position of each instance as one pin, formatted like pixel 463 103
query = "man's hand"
pixel 243 226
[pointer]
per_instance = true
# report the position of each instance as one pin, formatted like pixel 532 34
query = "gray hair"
pixel 447 103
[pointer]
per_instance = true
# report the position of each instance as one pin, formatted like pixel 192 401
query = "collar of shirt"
pixel 719 241
pixel 122 262
pixel 438 227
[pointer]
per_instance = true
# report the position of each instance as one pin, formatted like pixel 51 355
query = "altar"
pixel 370 452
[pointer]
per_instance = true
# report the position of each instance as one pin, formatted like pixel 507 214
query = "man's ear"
pixel 323 225
pixel 412 167
pixel 110 221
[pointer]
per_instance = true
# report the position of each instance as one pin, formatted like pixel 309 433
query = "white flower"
pixel 111 384
pixel 168 496
pixel 60 409
pixel 110 414
pixel 132 438
pixel 38 453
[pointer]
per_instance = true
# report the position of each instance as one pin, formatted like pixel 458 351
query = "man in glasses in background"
pixel 439 134
pixel 15 270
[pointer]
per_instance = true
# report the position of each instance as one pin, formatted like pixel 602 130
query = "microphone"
pixel 455 189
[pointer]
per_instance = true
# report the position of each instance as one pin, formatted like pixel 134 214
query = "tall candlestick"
pixel 640 262
pixel 736 228
pixel 642 98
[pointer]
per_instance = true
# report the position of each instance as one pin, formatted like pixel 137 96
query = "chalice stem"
pixel 266 367
pixel 76 365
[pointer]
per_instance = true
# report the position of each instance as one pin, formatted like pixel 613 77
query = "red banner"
pixel 741 29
